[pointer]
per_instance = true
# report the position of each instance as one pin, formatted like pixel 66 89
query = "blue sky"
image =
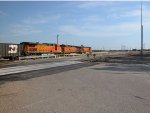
pixel 101 25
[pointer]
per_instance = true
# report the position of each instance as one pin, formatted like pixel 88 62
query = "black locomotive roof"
pixel 29 43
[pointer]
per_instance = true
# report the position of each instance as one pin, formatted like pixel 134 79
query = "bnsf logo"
pixel 13 49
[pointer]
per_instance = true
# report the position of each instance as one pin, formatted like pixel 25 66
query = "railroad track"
pixel 37 61
pixel 33 67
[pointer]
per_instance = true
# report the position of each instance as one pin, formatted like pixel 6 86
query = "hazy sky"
pixel 101 25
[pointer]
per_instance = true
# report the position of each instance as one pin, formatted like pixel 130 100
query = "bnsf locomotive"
pixel 12 51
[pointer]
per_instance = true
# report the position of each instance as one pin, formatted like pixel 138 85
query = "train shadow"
pixel 127 64
pixel 123 68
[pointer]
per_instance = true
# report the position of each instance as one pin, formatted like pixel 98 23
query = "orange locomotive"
pixel 75 49
pixel 29 48
pixel 87 49
pixel 70 49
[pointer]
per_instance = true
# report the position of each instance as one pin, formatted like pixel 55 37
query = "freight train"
pixel 13 51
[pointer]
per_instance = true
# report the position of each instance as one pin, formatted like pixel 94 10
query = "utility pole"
pixel 141 33
pixel 57 38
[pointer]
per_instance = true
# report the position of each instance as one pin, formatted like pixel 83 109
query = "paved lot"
pixel 79 88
